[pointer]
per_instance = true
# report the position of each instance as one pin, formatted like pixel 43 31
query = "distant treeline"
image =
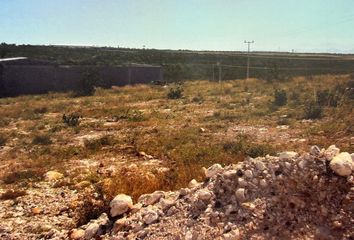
pixel 181 64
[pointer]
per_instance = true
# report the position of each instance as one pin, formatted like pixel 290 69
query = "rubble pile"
pixel 292 196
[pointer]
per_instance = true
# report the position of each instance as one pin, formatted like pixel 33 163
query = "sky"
pixel 274 25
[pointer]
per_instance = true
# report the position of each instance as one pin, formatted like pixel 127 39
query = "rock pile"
pixel 293 196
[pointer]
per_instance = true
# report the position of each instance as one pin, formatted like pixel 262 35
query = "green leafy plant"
pixel 313 110
pixel 175 93
pixel 72 120
pixel 280 97
pixel 89 81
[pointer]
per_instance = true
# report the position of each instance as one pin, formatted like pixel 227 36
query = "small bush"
pixel 280 97
pixel 42 140
pixel 72 120
pixel 295 97
pixel 198 99
pixel 328 98
pixel 12 194
pixel 40 110
pixel 135 182
pixel 313 110
pixel 89 81
pixel 97 144
pixel 4 121
pixel 243 146
pixel 91 204
pixel 350 89
pixel 259 150
pixel 22 175
pixel 136 116
pixel 175 93
pixel 283 121
pixel 3 139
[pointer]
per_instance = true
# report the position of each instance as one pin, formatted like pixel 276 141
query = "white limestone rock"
pixel 150 217
pixel 120 204
pixel 342 164
pixel 213 170
pixel 287 155
pixel 240 195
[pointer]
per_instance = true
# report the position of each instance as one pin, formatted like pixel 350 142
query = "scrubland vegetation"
pixel 137 139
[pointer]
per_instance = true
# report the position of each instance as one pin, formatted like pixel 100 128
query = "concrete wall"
pixel 32 79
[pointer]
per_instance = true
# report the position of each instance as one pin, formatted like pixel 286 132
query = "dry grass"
pixel 185 134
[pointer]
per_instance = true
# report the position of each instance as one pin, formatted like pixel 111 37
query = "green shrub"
pixel 88 82
pixel 175 93
pixel 136 116
pixel 259 150
pixel 72 120
pixel 243 146
pixel 280 97
pixel 328 98
pixel 313 110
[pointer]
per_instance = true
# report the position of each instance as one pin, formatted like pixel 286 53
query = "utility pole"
pixel 219 65
pixel 248 57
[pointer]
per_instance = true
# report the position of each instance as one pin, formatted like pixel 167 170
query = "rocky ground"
pixel 292 196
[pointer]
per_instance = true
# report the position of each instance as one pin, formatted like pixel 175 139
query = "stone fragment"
pixel 342 164
pixel 260 165
pixel 53 175
pixel 150 199
pixel 232 235
pixel 82 185
pixel 184 191
pixel 136 207
pixel 166 203
pixel 287 155
pixel 315 150
pixel 91 230
pixel 119 225
pixel 242 182
pixel 248 173
pixel 240 195
pixel 323 233
pixel 120 204
pixel 150 217
pixel 204 195
pixel 36 210
pixel 331 152
pixel 193 183
pixel 213 170
pixel 263 183
pixel 77 234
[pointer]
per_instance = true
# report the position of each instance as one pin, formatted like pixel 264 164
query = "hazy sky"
pixel 302 25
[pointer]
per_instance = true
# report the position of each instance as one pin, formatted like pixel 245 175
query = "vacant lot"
pixel 137 139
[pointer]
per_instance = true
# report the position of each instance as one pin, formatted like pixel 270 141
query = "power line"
pixel 261 68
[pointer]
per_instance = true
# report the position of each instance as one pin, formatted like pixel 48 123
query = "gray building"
pixel 22 75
